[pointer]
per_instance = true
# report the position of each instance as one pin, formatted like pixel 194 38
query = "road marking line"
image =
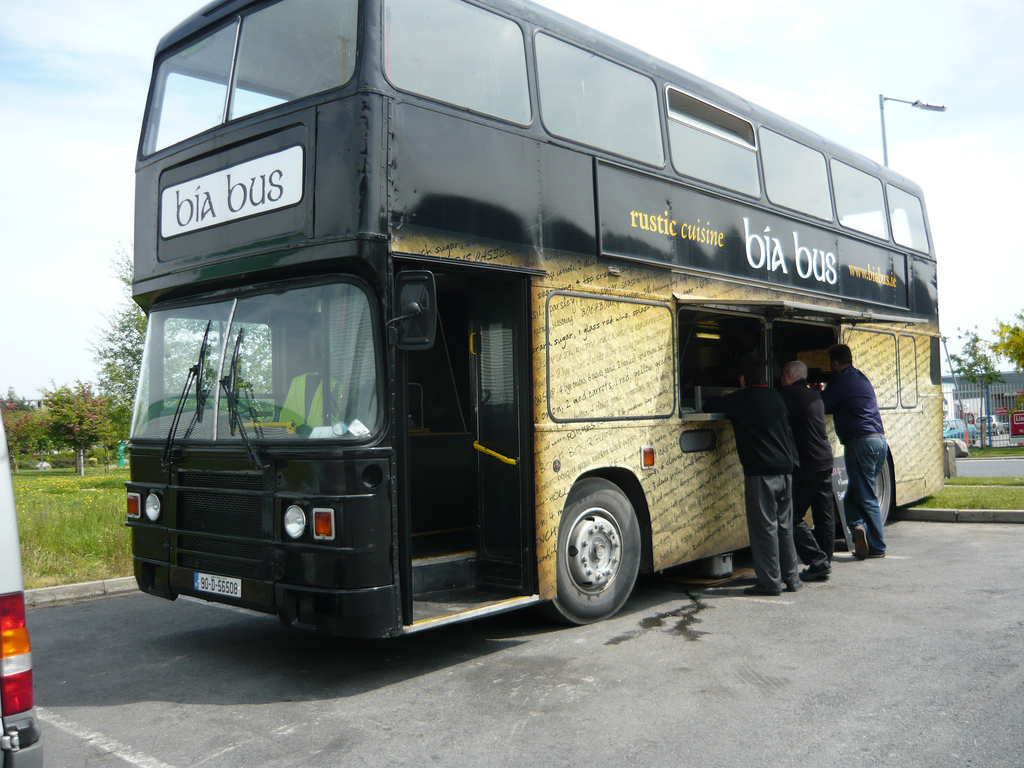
pixel 98 740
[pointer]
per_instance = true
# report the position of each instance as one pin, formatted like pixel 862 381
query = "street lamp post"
pixel 918 103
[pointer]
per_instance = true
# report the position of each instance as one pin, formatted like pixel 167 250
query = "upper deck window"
pixel 591 100
pixel 795 176
pixel 712 145
pixel 280 53
pixel 460 54
pixel 859 200
pixel 907 215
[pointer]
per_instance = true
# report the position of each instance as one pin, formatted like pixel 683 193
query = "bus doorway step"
pixel 444 572
pixel 454 605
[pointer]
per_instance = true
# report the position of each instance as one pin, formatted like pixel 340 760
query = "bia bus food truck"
pixel 436 289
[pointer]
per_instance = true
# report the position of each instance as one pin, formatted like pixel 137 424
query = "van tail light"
pixel 15 656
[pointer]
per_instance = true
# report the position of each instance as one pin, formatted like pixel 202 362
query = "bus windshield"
pixel 296 365
pixel 280 53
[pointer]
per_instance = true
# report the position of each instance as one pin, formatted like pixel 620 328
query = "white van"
pixel 20 746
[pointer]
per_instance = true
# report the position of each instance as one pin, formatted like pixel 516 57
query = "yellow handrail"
pixel 498 456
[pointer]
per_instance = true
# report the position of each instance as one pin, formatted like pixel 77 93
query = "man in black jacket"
pixel 812 480
pixel 764 443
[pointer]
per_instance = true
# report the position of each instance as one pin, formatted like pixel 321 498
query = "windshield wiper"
pixel 230 383
pixel 195 376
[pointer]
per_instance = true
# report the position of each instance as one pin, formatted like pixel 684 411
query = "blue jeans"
pixel 865 458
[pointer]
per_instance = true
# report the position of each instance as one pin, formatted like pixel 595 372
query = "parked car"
pixel 20 745
pixel 958 429
pixel 998 427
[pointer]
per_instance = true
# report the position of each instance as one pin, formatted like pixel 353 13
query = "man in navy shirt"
pixel 850 397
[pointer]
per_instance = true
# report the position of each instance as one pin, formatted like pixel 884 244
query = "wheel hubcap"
pixel 594 551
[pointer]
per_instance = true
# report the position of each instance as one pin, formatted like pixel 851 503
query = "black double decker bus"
pixel 436 290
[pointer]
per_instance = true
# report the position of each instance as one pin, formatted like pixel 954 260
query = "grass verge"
pixel 974 495
pixel 1000 481
pixel 72 528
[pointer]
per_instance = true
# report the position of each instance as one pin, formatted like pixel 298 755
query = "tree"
pixel 1010 342
pixel 12 402
pixel 78 419
pixel 977 364
pixel 26 431
pixel 119 351
pixel 977 361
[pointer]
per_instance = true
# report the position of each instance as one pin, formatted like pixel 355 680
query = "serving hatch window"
pixel 712 347
pixel 299 364
pixel 280 53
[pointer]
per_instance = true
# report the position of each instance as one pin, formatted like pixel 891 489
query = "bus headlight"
pixel 153 507
pixel 294 521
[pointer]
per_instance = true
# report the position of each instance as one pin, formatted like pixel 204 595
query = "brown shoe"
pixel 860 542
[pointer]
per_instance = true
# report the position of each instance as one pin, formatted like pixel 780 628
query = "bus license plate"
pixel 218 585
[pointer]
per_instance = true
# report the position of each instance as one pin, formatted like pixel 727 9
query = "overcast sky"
pixel 73 79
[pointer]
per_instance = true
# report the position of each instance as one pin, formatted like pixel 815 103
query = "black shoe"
pixel 795 586
pixel 860 542
pixel 816 574
pixel 760 591
pixel 876 554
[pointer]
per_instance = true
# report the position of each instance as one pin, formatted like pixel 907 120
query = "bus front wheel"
pixel 598 552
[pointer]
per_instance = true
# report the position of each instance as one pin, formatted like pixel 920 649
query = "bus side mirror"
pixel 417 300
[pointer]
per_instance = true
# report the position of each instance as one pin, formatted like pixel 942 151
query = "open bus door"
pixel 467 528
pixel 498 388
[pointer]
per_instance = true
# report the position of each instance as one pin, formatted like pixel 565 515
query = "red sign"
pixel 1017 424
pixel 1004 411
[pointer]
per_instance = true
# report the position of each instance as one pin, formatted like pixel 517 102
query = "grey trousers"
pixel 769 502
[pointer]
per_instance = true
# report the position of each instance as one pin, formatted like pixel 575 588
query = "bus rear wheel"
pixel 598 554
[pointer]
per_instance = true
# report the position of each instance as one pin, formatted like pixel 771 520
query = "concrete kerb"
pixel 66 593
pixel 961 515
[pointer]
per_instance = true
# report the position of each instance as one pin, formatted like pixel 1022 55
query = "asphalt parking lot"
pixel 911 660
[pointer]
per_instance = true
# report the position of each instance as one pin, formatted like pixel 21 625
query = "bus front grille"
pixel 238 550
pixel 226 514
pixel 236 481
pixel 222 556
pixel 220 524
pixel 221 566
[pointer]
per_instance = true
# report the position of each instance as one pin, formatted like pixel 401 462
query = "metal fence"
pixel 987 408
